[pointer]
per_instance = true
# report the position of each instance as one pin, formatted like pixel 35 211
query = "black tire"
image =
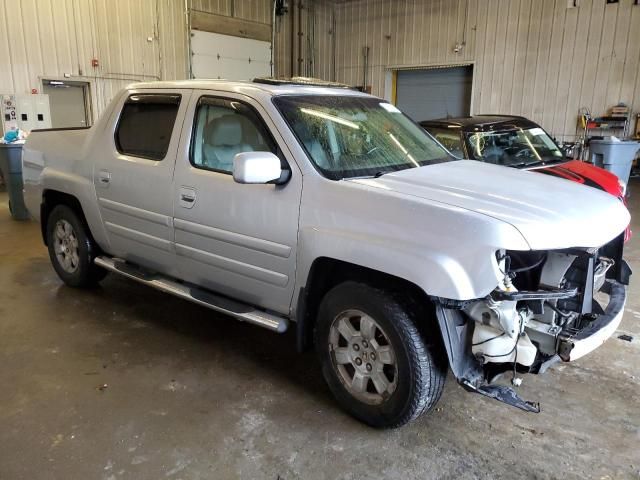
pixel 421 367
pixel 86 273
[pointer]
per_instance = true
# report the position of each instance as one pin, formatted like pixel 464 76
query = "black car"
pixel 500 139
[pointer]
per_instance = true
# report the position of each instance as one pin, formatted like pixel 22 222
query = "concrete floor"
pixel 126 382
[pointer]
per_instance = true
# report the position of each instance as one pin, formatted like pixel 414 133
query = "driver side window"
pixel 224 128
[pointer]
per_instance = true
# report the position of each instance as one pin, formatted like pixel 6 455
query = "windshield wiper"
pixel 523 164
pixel 375 175
pixel 557 160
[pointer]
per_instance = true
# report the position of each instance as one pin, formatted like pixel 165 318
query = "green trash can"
pixel 11 167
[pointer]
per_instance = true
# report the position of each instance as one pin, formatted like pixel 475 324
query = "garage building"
pixel 124 381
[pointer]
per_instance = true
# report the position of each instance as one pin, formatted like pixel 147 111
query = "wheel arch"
pixel 51 199
pixel 326 272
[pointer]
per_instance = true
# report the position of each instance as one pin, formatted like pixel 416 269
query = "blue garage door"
pixel 435 92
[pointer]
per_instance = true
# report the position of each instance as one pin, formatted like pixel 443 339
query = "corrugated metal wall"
pixel 41 38
pixel 536 58
pixel 315 57
pixel 283 46
pixel 254 10
pixel 48 39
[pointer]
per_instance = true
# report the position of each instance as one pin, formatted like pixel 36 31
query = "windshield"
pixel 514 148
pixel 348 137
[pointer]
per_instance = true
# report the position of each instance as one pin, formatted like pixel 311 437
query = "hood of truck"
pixel 550 213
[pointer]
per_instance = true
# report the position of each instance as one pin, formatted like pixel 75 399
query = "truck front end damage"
pixel 549 306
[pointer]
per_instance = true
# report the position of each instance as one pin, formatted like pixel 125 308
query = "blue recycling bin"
pixel 11 168
pixel 616 157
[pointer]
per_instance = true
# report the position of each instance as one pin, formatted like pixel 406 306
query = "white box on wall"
pixel 27 112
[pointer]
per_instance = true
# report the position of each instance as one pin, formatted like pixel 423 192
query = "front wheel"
pixel 374 359
pixel 71 249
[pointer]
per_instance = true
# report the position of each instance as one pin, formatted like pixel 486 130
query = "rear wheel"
pixel 373 357
pixel 71 249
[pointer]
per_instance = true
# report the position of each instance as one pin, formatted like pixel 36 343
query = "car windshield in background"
pixel 514 148
pixel 350 137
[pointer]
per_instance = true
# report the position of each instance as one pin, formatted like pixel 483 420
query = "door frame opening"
pixel 391 78
pixel 86 91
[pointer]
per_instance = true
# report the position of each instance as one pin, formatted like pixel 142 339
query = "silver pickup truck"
pixel 275 202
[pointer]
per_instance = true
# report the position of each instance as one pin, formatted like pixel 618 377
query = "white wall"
pixel 51 38
pixel 254 10
pixel 535 58
pixel 46 38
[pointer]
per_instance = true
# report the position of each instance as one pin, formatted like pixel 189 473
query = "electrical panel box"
pixel 27 112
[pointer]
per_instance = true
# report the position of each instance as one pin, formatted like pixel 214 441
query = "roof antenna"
pixel 446 106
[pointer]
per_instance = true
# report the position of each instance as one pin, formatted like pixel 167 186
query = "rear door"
pixel 133 176
pixel 239 240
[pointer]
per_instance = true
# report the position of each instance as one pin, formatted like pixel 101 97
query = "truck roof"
pixel 284 88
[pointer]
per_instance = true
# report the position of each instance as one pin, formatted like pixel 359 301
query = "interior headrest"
pixel 225 130
pixel 303 132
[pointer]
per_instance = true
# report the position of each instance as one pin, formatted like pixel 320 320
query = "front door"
pixel 239 240
pixel 133 175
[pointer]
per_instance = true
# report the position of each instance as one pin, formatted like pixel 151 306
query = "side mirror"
pixel 256 167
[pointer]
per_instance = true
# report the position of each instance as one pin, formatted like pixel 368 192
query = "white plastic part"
pixel 494 346
pixel 499 315
pixel 256 167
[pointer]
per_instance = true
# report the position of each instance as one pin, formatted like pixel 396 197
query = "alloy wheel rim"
pixel 363 357
pixel 66 246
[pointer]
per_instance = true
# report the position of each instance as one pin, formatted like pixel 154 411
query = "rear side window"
pixel 145 125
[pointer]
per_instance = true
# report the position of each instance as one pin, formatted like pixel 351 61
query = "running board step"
pixel 238 310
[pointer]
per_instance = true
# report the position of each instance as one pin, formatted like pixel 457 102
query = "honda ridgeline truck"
pixel 279 203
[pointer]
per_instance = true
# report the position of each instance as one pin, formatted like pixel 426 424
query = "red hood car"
pixel 587 174
pixel 520 143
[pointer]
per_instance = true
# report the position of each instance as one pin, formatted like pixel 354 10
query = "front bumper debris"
pixel 503 394
pixel 573 344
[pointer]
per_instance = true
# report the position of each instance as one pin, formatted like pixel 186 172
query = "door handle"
pixel 104 177
pixel 187 197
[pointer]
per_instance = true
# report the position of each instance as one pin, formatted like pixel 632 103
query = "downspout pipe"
pixel 187 22
pixel 333 43
pixel 292 40
pixel 300 35
pixel 365 67
pixel 273 36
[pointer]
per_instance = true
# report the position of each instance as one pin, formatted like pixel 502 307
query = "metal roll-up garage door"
pixel 431 93
pixel 214 55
